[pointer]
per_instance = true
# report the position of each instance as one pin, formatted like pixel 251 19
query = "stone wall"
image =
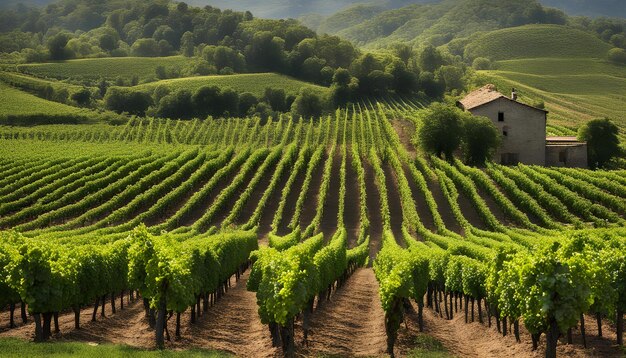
pixel 566 155
pixel 525 129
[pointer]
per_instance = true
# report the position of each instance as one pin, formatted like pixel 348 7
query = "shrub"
pixel 481 63
pixel 126 100
pixel 617 55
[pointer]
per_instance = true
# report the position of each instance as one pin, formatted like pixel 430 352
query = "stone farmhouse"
pixel 523 130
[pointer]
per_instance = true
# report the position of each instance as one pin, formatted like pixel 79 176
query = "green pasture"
pixel 14 102
pixel 109 68
pixel 255 83
pixel 561 66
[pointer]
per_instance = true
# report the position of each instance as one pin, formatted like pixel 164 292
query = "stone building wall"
pixel 523 131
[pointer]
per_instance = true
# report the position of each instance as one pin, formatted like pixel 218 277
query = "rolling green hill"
pixel 534 41
pixel 252 82
pixel 435 22
pixel 20 107
pixel 561 66
pixel 109 68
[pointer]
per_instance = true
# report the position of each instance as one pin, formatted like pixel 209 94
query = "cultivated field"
pixel 233 226
pixel 109 68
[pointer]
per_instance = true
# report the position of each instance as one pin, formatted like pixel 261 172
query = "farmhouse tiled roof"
pixel 487 94
pixel 480 96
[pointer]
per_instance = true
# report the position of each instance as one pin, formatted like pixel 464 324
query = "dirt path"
pixel 352 323
pixel 257 193
pixel 352 210
pixel 395 204
pixel 328 223
pixel 420 202
pixel 373 210
pixel 128 326
pixel 291 201
pixel 232 325
pixel 271 206
pixel 309 206
pixel 444 208
pixel 478 340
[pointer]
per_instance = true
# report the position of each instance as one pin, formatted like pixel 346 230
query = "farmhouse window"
pixel 500 116
pixel 562 157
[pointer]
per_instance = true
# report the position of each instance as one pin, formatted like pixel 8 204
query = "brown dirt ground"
pixel 292 199
pixel 267 216
pixel 395 204
pixel 420 202
pixel 352 323
pixel 328 224
pixel 352 210
pixel 309 206
pixel 373 210
pixel 444 208
pixel 257 194
pixel 478 340
pixel 232 325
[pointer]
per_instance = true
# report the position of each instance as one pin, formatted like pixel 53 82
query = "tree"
pixel 311 69
pixel 404 81
pixel 275 97
pixel 481 63
pixel 57 45
pixel 617 55
pixel 266 52
pixel 82 97
pixel 403 51
pixel 145 48
pixel 480 139
pixel 126 100
pixel 451 76
pixel 430 59
pixel 187 43
pixel 176 105
pixel 602 140
pixel 430 85
pixel 206 101
pixel 308 104
pixel 247 100
pixel 441 130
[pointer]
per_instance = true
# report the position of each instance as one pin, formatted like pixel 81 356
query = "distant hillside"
pixel 297 8
pixel 610 8
pixel 437 23
pixel 536 41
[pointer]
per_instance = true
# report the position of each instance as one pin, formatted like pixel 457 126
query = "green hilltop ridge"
pixel 107 67
pixel 437 23
pixel 532 41
pixel 255 83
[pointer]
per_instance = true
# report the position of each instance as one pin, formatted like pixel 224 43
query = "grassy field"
pixel 561 66
pixel 18 103
pixel 26 81
pixel 537 41
pixel 19 348
pixel 253 82
pixel 108 68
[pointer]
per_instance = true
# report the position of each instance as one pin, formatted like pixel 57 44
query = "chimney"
pixel 513 94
